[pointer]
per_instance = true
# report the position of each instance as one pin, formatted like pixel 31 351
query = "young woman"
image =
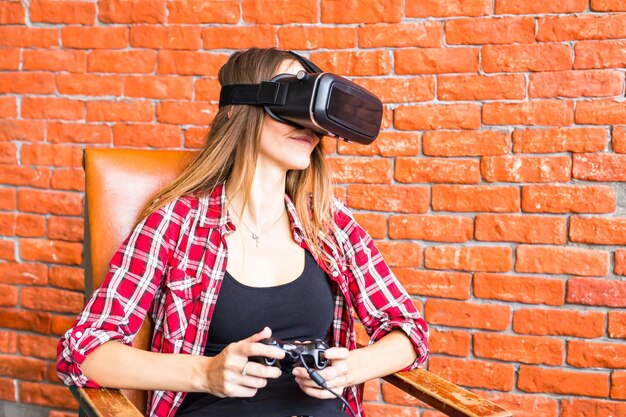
pixel 246 244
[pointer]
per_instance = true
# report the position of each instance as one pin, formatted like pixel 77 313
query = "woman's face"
pixel 283 145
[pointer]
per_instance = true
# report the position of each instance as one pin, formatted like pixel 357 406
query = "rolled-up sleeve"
pixel 379 299
pixel 119 306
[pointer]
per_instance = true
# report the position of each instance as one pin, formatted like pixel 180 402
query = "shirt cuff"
pixel 418 337
pixel 83 341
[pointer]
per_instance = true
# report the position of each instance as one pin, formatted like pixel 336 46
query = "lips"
pixel 303 138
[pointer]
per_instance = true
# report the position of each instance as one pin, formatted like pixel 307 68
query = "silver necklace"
pixel 256 236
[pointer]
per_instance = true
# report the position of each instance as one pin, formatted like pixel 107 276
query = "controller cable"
pixel 319 380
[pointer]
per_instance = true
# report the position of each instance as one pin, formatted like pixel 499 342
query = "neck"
pixel 266 200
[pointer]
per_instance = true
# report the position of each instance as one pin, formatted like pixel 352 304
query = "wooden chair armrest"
pixel 433 390
pixel 445 396
pixel 104 402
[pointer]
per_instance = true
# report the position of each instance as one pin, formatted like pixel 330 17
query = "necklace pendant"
pixel 256 238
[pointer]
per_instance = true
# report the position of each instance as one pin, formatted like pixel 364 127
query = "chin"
pixel 296 161
pixel 299 166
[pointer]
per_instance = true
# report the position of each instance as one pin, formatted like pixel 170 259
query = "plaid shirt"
pixel 172 265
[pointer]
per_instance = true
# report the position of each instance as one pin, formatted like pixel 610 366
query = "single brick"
pixel 598 230
pixel 524 58
pixel 431 228
pixel 400 254
pixel 360 11
pixel 481 87
pixel 584 354
pixel 579 407
pixel 567 199
pixel 588 324
pixel 526 169
pixel 454 285
pixel 490 30
pixel 461 198
pixel 437 170
pixel 438 8
pixel 561 260
pixel 407 199
pixel 557 381
pixel 599 54
pixel 524 349
pixel 472 258
pixel 598 292
pixel 617 324
pixel 517 7
pixel 437 116
pixel 600 167
pixel 575 84
pixel 523 289
pixel 472 373
pixel 466 143
pixel 521 228
pixel 585 139
pixel 540 112
pixel 436 60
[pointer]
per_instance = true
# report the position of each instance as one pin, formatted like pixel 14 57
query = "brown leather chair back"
pixel 118 183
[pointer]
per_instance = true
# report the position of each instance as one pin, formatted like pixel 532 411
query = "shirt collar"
pixel 212 209
pixel 213 213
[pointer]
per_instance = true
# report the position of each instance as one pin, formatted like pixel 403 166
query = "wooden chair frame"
pixel 433 390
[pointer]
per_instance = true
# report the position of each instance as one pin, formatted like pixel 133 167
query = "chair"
pixel 118 184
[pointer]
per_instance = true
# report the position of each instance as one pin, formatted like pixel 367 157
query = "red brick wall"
pixel 495 190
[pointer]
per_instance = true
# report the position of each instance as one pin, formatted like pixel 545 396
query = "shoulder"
pixel 347 229
pixel 342 215
pixel 174 214
pixel 181 206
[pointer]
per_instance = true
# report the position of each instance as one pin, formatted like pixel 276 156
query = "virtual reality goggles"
pixel 323 102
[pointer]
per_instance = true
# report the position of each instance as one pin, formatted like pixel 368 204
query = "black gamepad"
pixel 312 352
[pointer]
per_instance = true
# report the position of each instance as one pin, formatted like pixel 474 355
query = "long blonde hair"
pixel 231 149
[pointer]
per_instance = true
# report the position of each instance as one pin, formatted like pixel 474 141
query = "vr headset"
pixel 323 102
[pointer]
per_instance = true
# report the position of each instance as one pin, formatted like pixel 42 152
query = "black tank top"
pixel 298 310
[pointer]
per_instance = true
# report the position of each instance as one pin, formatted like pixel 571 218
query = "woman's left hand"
pixel 336 374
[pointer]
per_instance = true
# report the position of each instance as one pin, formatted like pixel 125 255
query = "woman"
pixel 246 244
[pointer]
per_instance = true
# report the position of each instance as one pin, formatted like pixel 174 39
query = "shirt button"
pixel 335 273
pixel 78 334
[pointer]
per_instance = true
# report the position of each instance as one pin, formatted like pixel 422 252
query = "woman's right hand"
pixel 224 374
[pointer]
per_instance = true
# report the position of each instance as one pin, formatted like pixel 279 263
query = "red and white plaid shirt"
pixel 172 265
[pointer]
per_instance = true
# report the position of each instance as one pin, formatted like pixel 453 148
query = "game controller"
pixel 312 352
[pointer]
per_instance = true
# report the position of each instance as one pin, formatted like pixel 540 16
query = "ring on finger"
pixel 243 371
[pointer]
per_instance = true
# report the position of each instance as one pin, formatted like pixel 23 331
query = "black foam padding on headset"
pixel 266 93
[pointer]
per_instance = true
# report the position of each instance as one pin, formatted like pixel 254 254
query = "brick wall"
pixel 495 190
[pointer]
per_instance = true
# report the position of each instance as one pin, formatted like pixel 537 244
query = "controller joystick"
pixel 311 352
